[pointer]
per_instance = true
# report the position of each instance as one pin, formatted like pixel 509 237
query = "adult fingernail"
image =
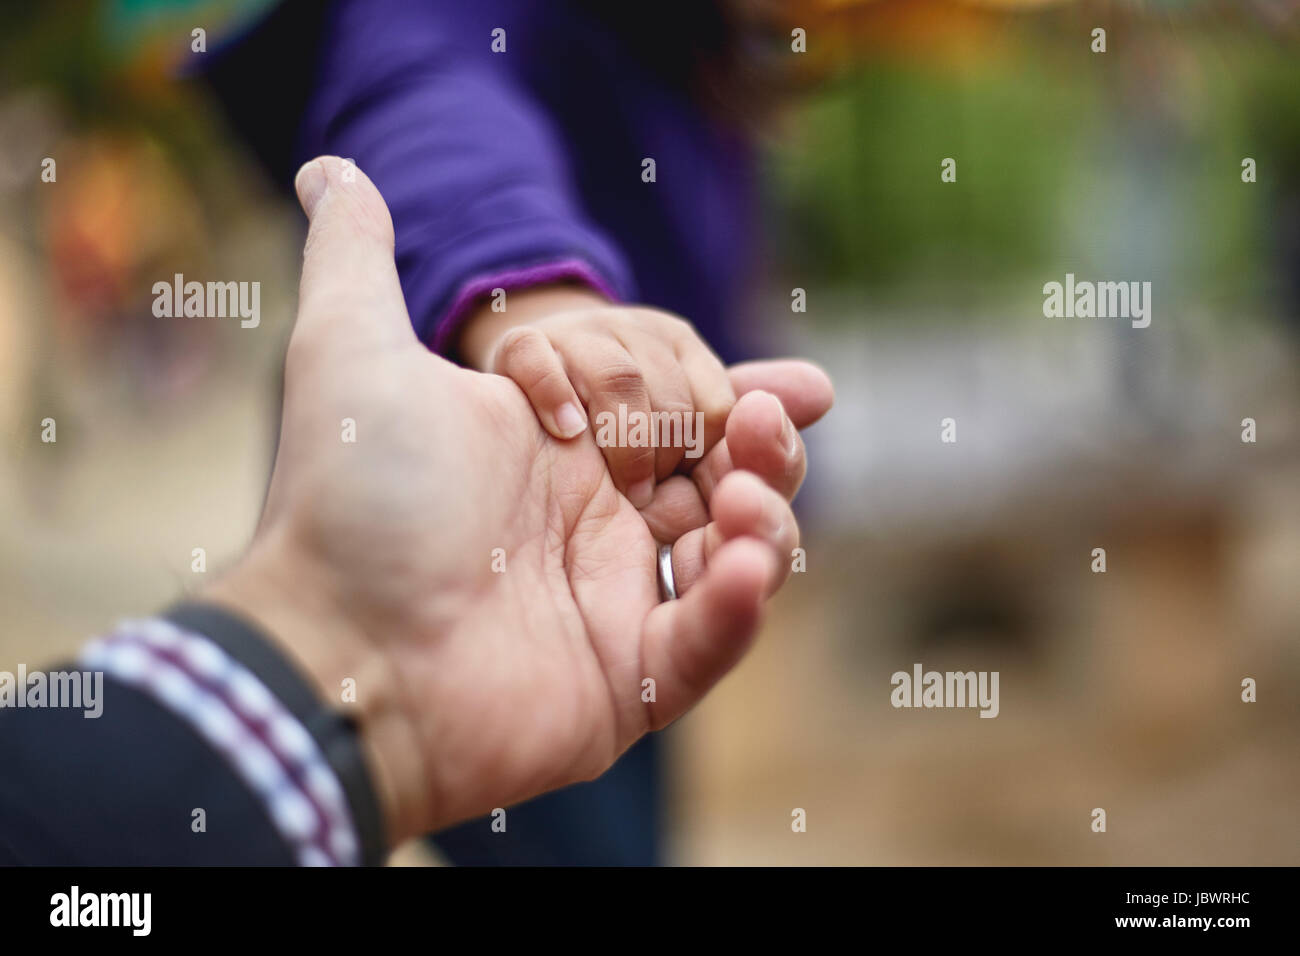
pixel 642 493
pixel 310 185
pixel 570 420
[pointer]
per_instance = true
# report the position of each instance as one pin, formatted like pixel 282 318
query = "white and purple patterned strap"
pixel 238 716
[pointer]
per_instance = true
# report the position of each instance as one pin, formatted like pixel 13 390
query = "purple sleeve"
pixel 472 170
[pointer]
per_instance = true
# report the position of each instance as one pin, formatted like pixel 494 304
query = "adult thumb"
pixel 349 290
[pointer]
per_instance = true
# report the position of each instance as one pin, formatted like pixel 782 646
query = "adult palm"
pixel 491 595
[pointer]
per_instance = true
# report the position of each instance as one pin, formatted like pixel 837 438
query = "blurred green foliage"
pixel 1064 161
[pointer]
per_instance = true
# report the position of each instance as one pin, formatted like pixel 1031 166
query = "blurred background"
pixel 1119 690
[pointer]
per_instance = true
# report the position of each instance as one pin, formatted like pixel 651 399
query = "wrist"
pixel 295 607
pixel 484 327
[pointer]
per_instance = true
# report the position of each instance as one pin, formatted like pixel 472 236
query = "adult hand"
pixel 374 558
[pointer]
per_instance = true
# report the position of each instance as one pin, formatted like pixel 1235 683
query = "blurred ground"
pixel 1118 690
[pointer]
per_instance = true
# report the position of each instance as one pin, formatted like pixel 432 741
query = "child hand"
pixel 655 395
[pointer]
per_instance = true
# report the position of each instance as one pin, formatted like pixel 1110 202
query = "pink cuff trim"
pixel 542 274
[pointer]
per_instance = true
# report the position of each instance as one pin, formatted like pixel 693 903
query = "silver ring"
pixel 667 586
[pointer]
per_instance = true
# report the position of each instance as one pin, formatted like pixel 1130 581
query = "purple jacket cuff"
pixel 467 295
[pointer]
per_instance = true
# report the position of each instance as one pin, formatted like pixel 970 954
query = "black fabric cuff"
pixel 336 733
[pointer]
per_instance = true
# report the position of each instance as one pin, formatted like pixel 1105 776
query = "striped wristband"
pixel 267 745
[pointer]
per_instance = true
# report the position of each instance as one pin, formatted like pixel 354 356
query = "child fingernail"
pixel 570 420
pixel 642 493
pixel 789 435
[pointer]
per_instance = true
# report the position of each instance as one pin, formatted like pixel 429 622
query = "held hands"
pixel 569 349
pixel 373 560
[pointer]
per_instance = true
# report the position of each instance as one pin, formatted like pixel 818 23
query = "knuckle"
pixel 634 462
pixel 679 327
pixel 622 379
pixel 518 348
pixel 548 379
